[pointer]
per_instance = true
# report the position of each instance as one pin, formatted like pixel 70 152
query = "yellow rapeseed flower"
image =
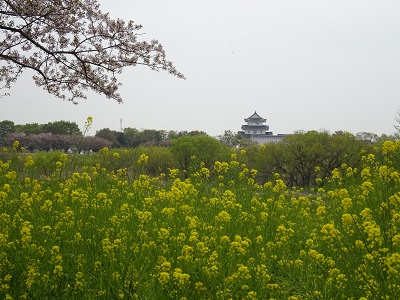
pixel 321 211
pixel 366 187
pixel 335 174
pixel 347 204
pixel 15 145
pixel 180 278
pixel 32 276
pixel 371 157
pixel 163 233
pixel 104 150
pixel 366 173
pixel 163 278
pixel 29 161
pixel 388 147
pixel 79 281
pixel 347 219
pixel 143 159
pixel 223 216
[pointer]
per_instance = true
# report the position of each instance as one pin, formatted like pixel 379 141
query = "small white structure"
pixel 257 130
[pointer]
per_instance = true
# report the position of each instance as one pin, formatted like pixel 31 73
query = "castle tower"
pixel 255 125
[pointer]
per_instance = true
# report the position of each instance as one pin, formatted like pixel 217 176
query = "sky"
pixel 302 65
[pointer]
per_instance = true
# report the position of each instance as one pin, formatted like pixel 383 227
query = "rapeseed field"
pixel 94 233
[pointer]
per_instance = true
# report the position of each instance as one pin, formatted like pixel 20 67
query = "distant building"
pixel 256 130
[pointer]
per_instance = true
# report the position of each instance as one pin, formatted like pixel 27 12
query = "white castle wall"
pixel 264 139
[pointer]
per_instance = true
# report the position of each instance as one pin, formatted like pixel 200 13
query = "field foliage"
pixel 104 226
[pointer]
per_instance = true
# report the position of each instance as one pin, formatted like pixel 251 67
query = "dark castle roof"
pixel 255 117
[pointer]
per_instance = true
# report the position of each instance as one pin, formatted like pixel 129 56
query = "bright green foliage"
pixel 56 127
pixel 61 127
pixel 98 233
pixel 191 151
pixel 30 128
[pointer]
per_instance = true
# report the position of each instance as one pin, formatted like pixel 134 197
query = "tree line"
pixel 132 137
pixel 300 158
pixel 65 135
pixel 60 135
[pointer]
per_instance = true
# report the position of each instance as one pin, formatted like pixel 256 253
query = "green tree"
pixel 62 127
pixel 367 136
pixel 196 132
pixel 72 46
pixel 173 135
pixel 111 135
pixel 230 139
pixel 6 127
pixel 160 160
pixel 191 151
pixel 150 135
pixel 300 154
pixel 132 137
pixel 30 128
pixel 384 137
pixel 303 156
pixel 261 158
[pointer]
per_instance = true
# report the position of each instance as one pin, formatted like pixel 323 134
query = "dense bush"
pixel 192 151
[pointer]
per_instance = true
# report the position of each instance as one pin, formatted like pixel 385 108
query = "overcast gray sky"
pixel 302 65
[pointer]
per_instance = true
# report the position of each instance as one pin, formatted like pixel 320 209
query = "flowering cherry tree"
pixel 72 46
